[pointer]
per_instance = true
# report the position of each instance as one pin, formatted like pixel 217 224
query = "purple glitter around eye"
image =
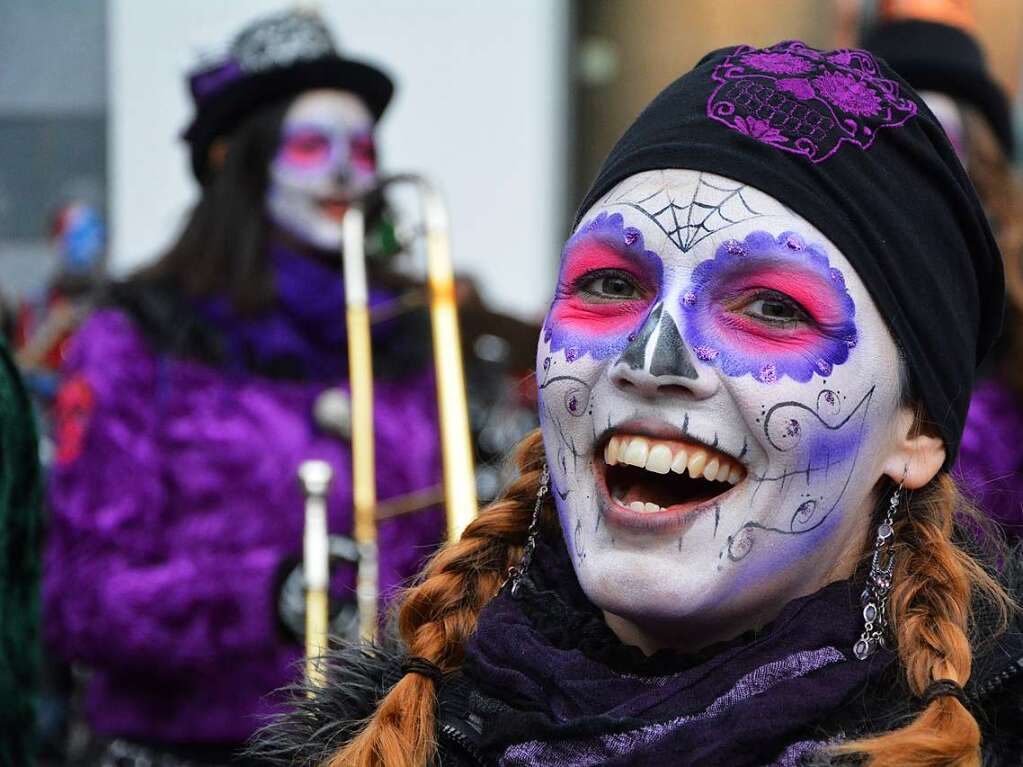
pixel 573 404
pixel 814 349
pixel 767 374
pixel 580 338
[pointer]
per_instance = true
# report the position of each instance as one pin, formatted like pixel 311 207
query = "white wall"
pixel 481 108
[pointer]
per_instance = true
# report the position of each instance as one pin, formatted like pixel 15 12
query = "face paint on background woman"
pixel 325 159
pixel 716 390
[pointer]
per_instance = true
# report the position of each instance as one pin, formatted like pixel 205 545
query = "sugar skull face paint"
pixel 593 262
pixel 800 317
pixel 717 395
pixel 325 158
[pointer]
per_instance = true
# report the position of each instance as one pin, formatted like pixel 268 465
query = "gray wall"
pixel 52 125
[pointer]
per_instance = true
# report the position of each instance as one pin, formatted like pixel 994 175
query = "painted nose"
pixel 657 362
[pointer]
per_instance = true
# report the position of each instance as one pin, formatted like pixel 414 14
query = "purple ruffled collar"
pixel 564 690
pixel 304 336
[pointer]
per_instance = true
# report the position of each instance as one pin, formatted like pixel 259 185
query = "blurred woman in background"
pixel 930 45
pixel 189 401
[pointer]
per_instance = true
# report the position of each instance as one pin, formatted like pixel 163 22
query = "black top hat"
pixel 937 57
pixel 271 59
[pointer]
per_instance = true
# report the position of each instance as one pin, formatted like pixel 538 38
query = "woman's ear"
pixel 917 455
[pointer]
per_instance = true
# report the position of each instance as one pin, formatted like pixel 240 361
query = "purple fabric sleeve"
pixel 990 466
pixel 173 510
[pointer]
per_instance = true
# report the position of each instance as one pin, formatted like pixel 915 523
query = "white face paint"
pixel 325 159
pixel 701 329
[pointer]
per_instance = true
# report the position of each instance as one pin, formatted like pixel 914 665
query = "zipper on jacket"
pixel 461 740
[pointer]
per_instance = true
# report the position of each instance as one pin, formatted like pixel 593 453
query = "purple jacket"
pixel 990 465
pixel 174 504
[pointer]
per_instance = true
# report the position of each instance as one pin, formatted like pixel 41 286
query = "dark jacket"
pixel 20 528
pixel 358 678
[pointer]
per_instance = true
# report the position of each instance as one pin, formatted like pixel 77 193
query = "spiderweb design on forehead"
pixel 688 218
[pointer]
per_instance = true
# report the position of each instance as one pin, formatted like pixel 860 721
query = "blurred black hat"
pixel 932 56
pixel 271 59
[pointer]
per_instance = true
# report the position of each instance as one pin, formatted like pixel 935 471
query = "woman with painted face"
pixel 734 540
pixel 190 400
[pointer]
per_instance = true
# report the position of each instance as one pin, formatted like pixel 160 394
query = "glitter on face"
pixel 785 265
pixel 600 330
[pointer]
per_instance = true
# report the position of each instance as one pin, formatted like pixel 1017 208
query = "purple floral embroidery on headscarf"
pixel 778 63
pixel 804 101
pixel 848 93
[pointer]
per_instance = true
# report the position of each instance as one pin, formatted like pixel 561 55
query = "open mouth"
pixel 334 207
pixel 650 476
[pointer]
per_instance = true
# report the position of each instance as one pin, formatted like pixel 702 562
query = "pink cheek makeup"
pixel 580 326
pixel 739 344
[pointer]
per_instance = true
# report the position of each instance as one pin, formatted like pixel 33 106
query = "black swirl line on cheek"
pixel 829 403
pixel 577 546
pixel 805 518
pixel 577 401
pixel 803 515
pixel 576 397
pixel 789 431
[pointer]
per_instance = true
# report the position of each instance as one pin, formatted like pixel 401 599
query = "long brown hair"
pixel 222 248
pixel 930 608
pixel 1001 191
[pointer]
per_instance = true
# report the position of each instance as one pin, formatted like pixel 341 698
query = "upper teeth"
pixel 662 457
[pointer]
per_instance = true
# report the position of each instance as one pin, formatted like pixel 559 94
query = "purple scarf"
pixel 559 688
pixel 305 334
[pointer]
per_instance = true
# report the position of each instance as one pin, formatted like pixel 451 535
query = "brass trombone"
pixel 456 447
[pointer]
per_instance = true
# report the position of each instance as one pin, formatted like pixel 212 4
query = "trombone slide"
pixel 315 477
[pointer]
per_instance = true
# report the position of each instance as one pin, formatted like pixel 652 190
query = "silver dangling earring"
pixel 879 586
pixel 517 572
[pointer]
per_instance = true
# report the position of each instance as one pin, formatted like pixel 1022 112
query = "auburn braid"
pixel 438 615
pixel 934 584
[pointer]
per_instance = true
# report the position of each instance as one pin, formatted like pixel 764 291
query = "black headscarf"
pixel 839 138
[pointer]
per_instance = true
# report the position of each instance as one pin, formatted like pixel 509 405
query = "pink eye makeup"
pixel 607 283
pixel 771 307
pixel 313 149
pixel 306 148
pixel 363 153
